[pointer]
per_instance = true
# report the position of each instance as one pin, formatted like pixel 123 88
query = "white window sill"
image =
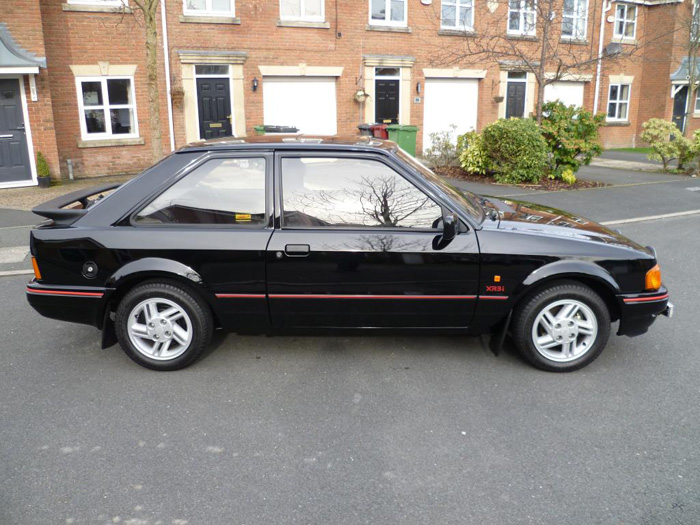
pixel 522 36
pixel 574 41
pixel 624 40
pixel 104 143
pixel 304 23
pixel 95 8
pixel 389 29
pixel 445 31
pixel 617 122
pixel 209 19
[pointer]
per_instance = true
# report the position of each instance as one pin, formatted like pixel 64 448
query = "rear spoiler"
pixel 56 210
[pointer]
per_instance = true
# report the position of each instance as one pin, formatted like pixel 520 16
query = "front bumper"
pixel 639 311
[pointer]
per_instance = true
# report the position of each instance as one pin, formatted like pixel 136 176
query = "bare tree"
pixel 550 39
pixel 149 10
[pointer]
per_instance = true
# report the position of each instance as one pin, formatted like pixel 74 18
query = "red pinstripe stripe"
pixel 494 297
pixel 646 299
pixel 241 295
pixel 330 296
pixel 59 292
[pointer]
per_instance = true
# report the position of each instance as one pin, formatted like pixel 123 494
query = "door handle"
pixel 7 136
pixel 297 250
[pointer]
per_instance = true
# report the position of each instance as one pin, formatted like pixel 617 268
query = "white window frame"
pixel 458 4
pixel 302 10
pixel 696 109
pixel 208 10
pixel 575 18
pixel 523 11
pixel 106 106
pixel 105 3
pixel 387 15
pixel 618 101
pixel 623 19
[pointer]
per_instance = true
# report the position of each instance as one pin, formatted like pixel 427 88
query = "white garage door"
pixel 307 103
pixel 570 93
pixel 447 102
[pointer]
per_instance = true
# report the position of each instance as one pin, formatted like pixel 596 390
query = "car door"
pixel 357 244
pixel 217 220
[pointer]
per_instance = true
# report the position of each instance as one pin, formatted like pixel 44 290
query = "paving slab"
pixel 12 217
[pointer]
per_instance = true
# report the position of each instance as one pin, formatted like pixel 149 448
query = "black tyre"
pixel 562 328
pixel 163 326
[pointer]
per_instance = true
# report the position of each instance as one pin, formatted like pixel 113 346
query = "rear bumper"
pixel 639 311
pixel 75 304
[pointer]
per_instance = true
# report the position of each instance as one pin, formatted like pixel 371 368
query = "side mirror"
pixel 450 224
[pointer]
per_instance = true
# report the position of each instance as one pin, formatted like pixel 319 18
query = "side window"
pixel 352 193
pixel 220 191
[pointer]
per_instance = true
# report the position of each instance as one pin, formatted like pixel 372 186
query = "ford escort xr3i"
pixel 276 234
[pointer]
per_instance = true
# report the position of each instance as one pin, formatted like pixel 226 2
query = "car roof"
pixel 296 141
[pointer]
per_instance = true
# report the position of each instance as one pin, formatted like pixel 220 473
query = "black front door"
pixel 679 107
pixel 359 248
pixel 515 99
pixel 214 102
pixel 387 104
pixel 14 155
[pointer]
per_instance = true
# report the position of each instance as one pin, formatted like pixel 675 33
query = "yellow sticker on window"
pixel 243 216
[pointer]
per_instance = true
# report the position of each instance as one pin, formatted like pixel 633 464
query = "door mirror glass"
pixel 450 225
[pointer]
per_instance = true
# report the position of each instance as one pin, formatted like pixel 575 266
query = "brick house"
pixel 73 72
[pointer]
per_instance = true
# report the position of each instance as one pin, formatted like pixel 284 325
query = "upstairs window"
pixel 209 7
pixel 574 19
pixel 302 10
pixel 387 12
pixel 625 21
pixel 522 17
pixel 457 14
pixel 107 107
pixel 618 102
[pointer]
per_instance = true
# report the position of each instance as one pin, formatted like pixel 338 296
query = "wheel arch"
pixel 152 269
pixel 586 273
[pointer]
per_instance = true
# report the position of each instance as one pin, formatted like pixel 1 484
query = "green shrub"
pixel 657 133
pixel 571 134
pixel 567 175
pixel 472 156
pixel 515 149
pixel 442 151
pixel 42 167
pixel 686 151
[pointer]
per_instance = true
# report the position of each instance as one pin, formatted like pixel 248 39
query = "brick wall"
pixel 85 38
pixel 24 21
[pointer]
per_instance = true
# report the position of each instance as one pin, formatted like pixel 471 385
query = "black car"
pixel 281 234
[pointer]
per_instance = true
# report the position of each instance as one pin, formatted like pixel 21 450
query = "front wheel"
pixel 163 326
pixel 562 328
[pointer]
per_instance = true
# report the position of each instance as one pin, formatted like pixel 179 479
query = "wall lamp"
pixel 419 88
pixel 255 83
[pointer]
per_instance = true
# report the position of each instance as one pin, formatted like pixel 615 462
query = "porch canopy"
pixel 14 59
pixel 681 75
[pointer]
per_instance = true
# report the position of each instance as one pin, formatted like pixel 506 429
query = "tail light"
pixel 653 279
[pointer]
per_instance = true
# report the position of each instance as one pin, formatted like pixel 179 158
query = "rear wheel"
pixel 562 328
pixel 163 326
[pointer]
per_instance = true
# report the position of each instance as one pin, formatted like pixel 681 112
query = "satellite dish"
pixel 613 48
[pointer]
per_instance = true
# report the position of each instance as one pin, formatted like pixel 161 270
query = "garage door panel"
pixel 569 93
pixel 306 103
pixel 449 102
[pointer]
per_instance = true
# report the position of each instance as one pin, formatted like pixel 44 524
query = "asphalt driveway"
pixel 362 429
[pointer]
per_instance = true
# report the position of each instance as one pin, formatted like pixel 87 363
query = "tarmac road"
pixel 379 430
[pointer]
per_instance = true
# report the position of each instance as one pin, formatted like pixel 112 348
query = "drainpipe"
pixel 166 57
pixel 606 6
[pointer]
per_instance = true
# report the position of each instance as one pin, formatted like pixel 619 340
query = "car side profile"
pixel 280 234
